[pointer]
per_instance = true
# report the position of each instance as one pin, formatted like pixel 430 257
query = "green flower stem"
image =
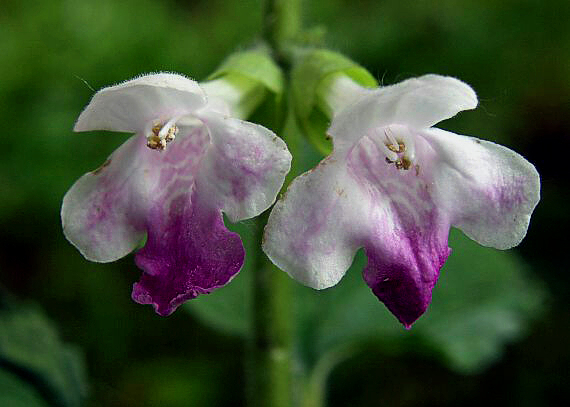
pixel 270 365
pixel 271 373
pixel 270 370
pixel 281 25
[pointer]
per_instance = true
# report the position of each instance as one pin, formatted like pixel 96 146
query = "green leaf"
pixel 15 392
pixel 228 309
pixel 344 315
pixel 484 299
pixel 30 347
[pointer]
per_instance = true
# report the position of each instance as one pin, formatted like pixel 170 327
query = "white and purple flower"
pixel 188 162
pixel 394 185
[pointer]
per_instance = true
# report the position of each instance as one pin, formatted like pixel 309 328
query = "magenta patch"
pixel 188 252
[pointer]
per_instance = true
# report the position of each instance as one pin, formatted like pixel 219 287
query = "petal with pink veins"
pixel 394 186
pixel 187 163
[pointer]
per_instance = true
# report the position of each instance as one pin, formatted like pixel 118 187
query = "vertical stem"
pixel 282 23
pixel 270 384
pixel 270 368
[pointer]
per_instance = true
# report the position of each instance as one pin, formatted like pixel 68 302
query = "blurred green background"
pixel 498 330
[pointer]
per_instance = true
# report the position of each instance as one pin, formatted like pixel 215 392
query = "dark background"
pixel 53 53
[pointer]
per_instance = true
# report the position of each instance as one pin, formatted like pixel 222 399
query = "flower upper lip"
pixel 417 103
pixel 129 106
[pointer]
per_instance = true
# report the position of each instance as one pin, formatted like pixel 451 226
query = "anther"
pixel 161 135
pixel 398 149
pixel 406 164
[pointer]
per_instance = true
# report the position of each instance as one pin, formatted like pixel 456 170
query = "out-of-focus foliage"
pixel 16 392
pixel 478 307
pixel 484 299
pixel 35 367
pixel 54 53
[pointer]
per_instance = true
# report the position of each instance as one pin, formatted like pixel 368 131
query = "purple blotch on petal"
pixel 188 253
pixel 404 289
pixel 403 271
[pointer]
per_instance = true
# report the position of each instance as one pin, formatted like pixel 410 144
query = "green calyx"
pixel 313 72
pixel 244 80
pixel 254 65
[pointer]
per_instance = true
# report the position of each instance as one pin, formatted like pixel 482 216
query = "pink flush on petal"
pixel 186 164
pixel 394 186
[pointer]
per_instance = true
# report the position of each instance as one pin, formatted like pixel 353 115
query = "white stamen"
pixel 390 137
pixel 408 138
pixel 168 127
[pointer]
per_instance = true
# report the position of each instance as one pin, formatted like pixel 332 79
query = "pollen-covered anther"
pixel 399 148
pixel 161 135
pixel 403 164
pixel 155 143
pixel 171 133
pixel 398 156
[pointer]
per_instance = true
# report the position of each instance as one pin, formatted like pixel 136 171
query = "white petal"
pixel 488 190
pixel 417 103
pixel 245 166
pixel 105 213
pixel 129 106
pixel 311 230
pixel 360 200
pixel 94 212
pixel 314 231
